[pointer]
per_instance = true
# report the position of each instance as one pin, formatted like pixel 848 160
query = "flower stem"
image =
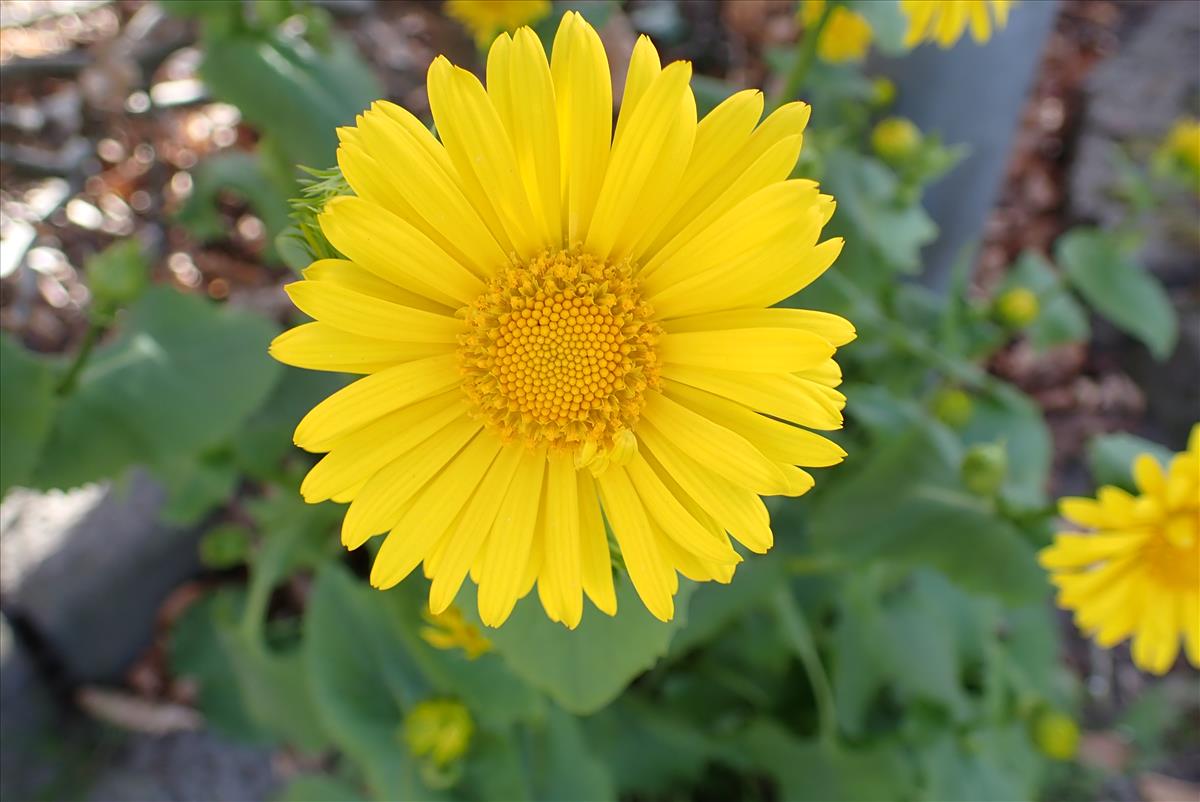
pixel 805 55
pixel 90 338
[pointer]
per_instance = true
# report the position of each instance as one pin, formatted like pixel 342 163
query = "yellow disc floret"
pixel 559 352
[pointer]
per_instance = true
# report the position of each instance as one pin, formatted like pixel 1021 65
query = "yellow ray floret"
pixel 1137 575
pixel 945 21
pixel 569 356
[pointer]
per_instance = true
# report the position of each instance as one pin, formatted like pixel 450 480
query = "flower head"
pixel 1018 307
pixel 1179 154
pixel 487 18
pixel 451 630
pixel 943 21
pixel 895 139
pixel 846 36
pixel 566 331
pixel 1138 574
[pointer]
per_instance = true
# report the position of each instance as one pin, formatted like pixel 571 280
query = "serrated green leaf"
pixel 180 378
pixel 1119 289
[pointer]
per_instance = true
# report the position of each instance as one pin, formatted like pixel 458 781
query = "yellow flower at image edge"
pixel 566 331
pixel 846 37
pixel 1138 574
pixel 944 21
pixel 486 18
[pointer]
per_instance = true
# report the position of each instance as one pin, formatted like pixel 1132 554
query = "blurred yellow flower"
pixel 1179 155
pixel 894 139
pixel 944 21
pixel 558 320
pixel 438 730
pixel 450 630
pixel 1056 735
pixel 846 36
pixel 487 18
pixel 1017 307
pixel 1138 575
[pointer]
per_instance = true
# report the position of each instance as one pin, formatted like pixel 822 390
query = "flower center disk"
pixel 559 351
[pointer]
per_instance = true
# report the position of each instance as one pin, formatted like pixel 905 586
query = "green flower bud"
pixel 438 732
pixel 985 468
pixel 895 139
pixel 952 407
pixel 1056 735
pixel 883 92
pixel 1017 308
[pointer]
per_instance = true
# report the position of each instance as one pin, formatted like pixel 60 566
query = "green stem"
pixel 804 59
pixel 90 338
pixel 799 637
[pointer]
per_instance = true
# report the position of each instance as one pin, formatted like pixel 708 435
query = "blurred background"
pixel 147 171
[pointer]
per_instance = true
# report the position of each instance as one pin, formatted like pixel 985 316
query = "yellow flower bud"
pixel 438 730
pixel 1056 735
pixel 883 91
pixel 895 139
pixel 1017 308
pixel 952 407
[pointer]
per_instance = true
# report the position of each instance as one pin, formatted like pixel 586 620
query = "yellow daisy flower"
pixel 846 36
pixel 487 18
pixel 943 21
pixel 1138 574
pixel 566 331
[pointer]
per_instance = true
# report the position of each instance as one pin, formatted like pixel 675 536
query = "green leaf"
pixel 195 486
pixel 907 505
pixel 180 379
pixel 714 606
pixel 868 196
pixel 1111 457
pixel 649 750
pixel 197 653
pixel 585 669
pixel 319 788
pixel 996 765
pixel 27 407
pixel 807 770
pixel 299 94
pixel 1119 289
pixel 562 766
pixel 117 275
pixel 363 679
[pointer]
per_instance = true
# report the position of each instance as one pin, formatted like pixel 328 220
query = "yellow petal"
pixel 368 316
pixel 357 456
pixel 389 492
pixel 374 396
pixel 775 439
pixel 739 511
pixel 650 573
pixel 420 185
pixel 1071 550
pixel 783 396
pixel 521 89
pixel 396 251
pixel 836 330
pixel 673 519
pixel 562 544
pixel 711 444
pixel 433 511
pixel 594 554
pixel 507 550
pixel 646 163
pixel 644 67
pixel 583 97
pixel 350 276
pixel 465 540
pixel 319 346
pixel 773 350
